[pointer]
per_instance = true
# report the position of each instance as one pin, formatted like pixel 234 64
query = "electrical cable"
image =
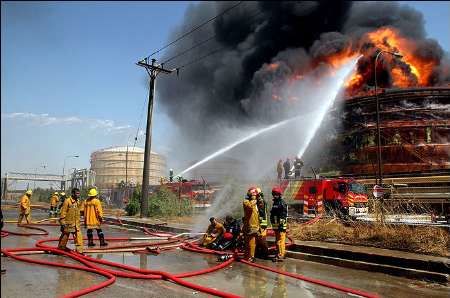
pixel 252 19
pixel 195 29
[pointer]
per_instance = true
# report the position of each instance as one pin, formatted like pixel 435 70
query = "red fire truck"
pixel 316 196
pixel 200 193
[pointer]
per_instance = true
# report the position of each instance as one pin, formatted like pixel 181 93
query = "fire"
pixel 389 39
pixel 355 81
pixel 272 66
pixel 413 69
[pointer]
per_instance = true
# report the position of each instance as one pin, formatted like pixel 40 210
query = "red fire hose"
pixel 313 280
pixel 111 278
pixel 44 232
pixel 89 264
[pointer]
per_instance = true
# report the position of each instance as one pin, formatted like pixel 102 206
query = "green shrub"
pixel 165 203
pixel 134 205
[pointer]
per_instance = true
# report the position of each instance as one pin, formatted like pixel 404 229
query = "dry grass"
pixel 426 240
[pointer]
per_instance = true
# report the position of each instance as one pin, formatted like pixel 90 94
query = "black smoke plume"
pixel 234 88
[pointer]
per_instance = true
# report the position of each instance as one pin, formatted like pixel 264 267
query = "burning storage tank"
pixel 415 132
pixel 116 164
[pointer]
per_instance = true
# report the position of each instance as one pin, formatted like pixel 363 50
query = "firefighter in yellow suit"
pixel 24 207
pixel 262 249
pixel 93 217
pixel 250 227
pixel 54 203
pixel 70 222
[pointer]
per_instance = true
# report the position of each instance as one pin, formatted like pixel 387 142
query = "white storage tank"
pixel 111 166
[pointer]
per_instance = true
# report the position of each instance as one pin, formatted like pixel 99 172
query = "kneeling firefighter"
pixel 278 218
pixel 250 227
pixel 230 237
pixel 70 222
pixel 213 234
pixel 93 217
pixel 262 249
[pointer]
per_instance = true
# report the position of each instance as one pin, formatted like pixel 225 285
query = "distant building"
pixel 111 167
pixel 218 170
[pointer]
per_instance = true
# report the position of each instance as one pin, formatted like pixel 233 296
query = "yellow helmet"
pixel 29 192
pixel 92 192
pixel 62 193
pixel 56 193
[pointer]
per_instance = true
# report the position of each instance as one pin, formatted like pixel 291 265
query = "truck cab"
pixel 346 196
pixel 335 195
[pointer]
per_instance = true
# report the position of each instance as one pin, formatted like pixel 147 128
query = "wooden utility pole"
pixel 153 70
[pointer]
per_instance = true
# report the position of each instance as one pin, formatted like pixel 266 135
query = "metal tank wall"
pixel 110 166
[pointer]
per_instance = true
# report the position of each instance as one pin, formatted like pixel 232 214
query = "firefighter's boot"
pixel 90 237
pixel 101 237
pixel 91 240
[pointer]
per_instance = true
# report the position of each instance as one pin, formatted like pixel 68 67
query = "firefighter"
pixel 287 168
pixel 171 175
pixel 278 218
pixel 93 217
pixel 213 234
pixel 70 222
pixel 232 231
pixel 298 164
pixel 250 227
pixel 280 169
pixel 62 198
pixel 24 207
pixel 262 249
pixel 54 203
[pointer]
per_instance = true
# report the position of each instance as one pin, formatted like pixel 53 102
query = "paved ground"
pixel 27 280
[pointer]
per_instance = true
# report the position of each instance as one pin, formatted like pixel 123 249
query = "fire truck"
pixel 311 196
pixel 199 192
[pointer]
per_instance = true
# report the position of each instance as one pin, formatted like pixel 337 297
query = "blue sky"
pixel 69 83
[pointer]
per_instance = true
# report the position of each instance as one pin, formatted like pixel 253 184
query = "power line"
pixel 251 19
pixel 201 58
pixel 139 125
pixel 196 28
pixel 190 49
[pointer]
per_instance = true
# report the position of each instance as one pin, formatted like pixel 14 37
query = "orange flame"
pixel 273 66
pixel 389 39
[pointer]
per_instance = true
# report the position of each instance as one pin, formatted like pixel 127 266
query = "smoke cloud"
pixel 262 45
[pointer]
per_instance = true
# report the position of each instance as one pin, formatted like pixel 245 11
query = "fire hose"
pixel 171 239
pixel 44 232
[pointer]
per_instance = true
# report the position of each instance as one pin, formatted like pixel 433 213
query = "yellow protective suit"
pixel 70 221
pixel 54 201
pixel 93 213
pixel 280 238
pixel 24 209
pixel 214 231
pixel 250 226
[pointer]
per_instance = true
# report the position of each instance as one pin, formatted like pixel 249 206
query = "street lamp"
pixel 380 174
pixel 63 183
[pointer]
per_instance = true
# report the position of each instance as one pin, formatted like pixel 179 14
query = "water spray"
pixel 229 147
pixel 340 77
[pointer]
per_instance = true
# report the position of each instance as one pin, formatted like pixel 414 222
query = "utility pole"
pixel 153 70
